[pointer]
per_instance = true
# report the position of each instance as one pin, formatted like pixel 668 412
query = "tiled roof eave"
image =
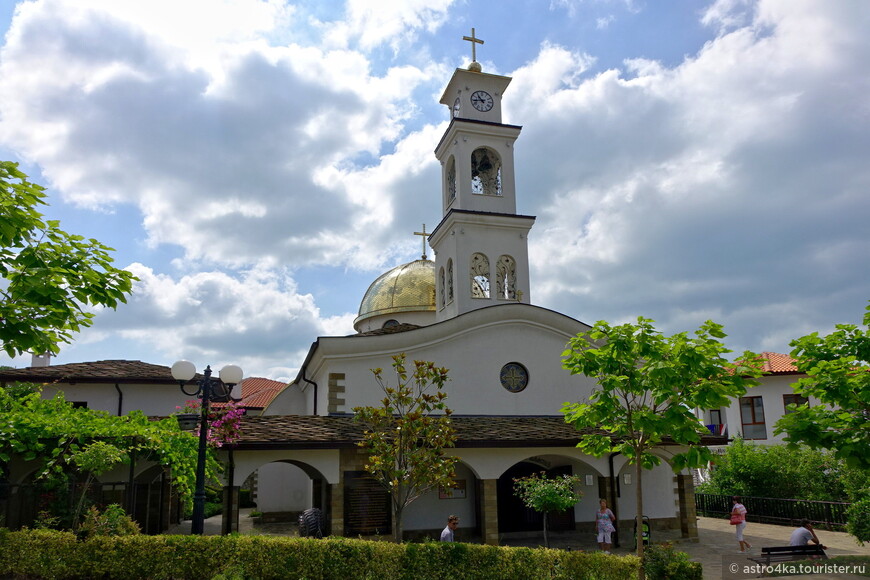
pixel 335 432
pixel 282 445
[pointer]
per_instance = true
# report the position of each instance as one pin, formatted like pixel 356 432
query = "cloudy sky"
pixel 257 163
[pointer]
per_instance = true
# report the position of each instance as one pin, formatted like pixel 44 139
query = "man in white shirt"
pixel 452 524
pixel 805 534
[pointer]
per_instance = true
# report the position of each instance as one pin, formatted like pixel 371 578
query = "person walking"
pixel 447 532
pixel 738 519
pixel 604 519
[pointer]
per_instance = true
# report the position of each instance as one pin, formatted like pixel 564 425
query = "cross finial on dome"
pixel 425 235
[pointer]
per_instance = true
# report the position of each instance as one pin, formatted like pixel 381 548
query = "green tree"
pixel 791 472
pixel 838 375
pixel 49 276
pixel 406 437
pixel 649 386
pixel 547 495
pixel 61 439
pixel 858 518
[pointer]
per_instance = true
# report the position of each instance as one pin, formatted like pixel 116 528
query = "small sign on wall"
pixel 455 492
pixel 590 480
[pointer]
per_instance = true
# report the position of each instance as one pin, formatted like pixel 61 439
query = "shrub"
pixel 58 555
pixel 213 505
pixel 751 469
pixel 113 521
pixel 858 520
pixel 662 562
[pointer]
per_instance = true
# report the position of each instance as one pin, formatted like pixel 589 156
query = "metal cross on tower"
pixel 425 235
pixel 474 42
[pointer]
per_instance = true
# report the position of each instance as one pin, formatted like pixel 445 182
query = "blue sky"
pixel 258 163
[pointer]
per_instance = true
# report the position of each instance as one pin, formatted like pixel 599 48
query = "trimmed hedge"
pixel 56 555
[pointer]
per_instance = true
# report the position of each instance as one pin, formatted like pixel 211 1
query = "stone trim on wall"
pixel 335 393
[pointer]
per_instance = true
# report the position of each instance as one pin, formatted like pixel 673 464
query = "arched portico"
pixel 494 464
pixel 288 481
pixel 427 516
pixel 514 516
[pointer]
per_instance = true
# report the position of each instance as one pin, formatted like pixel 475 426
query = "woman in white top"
pixel 738 518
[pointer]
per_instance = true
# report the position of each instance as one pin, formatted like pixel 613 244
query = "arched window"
pixel 506 278
pixel 485 172
pixel 449 280
pixel 479 276
pixel 441 287
pixel 451 180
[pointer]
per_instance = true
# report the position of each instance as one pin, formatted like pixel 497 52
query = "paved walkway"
pixel 715 545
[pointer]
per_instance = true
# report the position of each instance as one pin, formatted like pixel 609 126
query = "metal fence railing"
pixel 154 506
pixel 768 510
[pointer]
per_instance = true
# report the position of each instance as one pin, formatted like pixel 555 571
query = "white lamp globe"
pixel 231 375
pixel 183 370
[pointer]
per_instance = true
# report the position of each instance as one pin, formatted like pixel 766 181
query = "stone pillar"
pixel 489 511
pixel 336 508
pixel 688 511
pixel 230 516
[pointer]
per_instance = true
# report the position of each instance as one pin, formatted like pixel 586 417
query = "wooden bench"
pixel 790 553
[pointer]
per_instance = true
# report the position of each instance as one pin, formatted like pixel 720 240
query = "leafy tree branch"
pixel 50 278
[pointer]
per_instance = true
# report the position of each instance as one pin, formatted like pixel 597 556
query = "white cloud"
pixel 603 22
pixel 368 23
pixel 674 193
pixel 227 159
pixel 257 317
pixel 732 185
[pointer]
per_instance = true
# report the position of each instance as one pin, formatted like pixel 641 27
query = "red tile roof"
pixel 258 392
pixel 778 364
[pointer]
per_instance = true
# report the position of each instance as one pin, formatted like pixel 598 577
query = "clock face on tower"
pixel 481 100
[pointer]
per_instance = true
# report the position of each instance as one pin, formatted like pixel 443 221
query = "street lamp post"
pixel 208 390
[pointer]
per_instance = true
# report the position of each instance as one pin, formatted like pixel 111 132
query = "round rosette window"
pixel 514 377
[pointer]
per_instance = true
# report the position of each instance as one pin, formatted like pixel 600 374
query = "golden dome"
pixel 406 288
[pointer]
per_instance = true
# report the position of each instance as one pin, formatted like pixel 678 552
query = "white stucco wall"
pixel 531 336
pixel 296 399
pixel 282 487
pixel 153 400
pixel 659 492
pixel 430 512
pixel 771 389
pixel 325 461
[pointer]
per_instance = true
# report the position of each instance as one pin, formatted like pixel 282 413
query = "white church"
pixel 471 311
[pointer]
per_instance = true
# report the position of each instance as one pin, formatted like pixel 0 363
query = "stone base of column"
pixel 688 510
pixel 489 511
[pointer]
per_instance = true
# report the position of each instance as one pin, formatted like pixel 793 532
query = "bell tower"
pixel 481 244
